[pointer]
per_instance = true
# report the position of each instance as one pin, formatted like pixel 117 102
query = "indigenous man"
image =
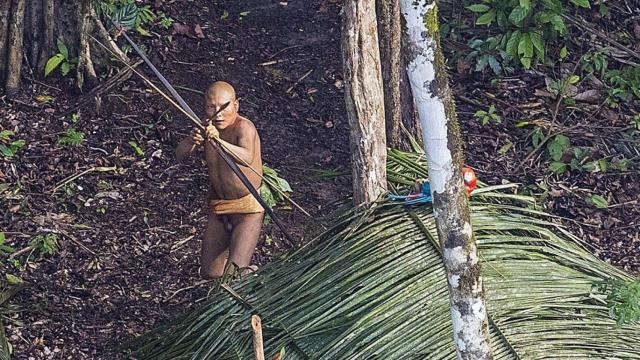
pixel 234 215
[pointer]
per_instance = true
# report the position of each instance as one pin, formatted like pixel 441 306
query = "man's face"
pixel 226 117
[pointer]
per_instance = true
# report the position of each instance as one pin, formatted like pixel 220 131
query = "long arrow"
pixel 226 157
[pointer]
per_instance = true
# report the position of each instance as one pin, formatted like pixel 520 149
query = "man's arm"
pixel 188 145
pixel 245 150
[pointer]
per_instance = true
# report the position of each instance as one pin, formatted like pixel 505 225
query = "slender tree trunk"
pixel 14 50
pixel 389 29
pixel 48 34
pixel 85 65
pixel 35 30
pixel 410 118
pixel 364 99
pixel 4 37
pixel 430 85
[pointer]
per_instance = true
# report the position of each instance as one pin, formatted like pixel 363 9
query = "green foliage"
pixel 597 201
pixel 45 243
pixel 132 15
pixel 488 116
pixel 519 31
pixel 71 137
pixel 273 188
pixel 557 147
pixel 61 59
pixel 624 84
pixel 9 147
pixel 623 299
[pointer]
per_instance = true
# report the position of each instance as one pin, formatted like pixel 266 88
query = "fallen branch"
pixel 258 345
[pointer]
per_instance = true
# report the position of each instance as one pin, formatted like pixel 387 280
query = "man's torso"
pixel 224 183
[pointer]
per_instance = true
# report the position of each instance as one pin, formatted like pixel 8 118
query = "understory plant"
pixel 519 32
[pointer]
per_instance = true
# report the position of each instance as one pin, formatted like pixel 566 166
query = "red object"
pixel 469 177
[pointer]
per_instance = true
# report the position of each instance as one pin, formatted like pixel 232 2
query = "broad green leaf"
pixel 62 48
pixel 525 3
pixel 558 24
pixel 284 185
pixel 494 65
pixel 6 135
pixel 574 79
pixel 564 53
pixel 53 63
pixel 597 201
pixel 478 8
pixel 525 46
pixel 536 40
pixel 518 14
pixel 6 152
pixel 65 68
pixel 603 164
pixel 12 279
pixel 558 167
pixel 558 146
pixel 487 18
pixel 512 44
pixel 582 3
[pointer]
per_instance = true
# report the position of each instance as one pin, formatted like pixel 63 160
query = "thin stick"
pixel 258 345
pixel 299 81
pixel 82 173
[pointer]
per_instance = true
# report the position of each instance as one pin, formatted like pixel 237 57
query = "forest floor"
pixel 127 218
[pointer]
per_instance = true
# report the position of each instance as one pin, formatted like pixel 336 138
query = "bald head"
pixel 222 88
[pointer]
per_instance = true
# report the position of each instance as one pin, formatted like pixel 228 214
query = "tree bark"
pixel 85 65
pixel 48 34
pixel 389 29
pixel 410 118
pixel 364 100
pixel 430 86
pixel 35 29
pixel 4 37
pixel 14 50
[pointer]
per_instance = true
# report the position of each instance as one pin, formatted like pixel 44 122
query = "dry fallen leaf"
pixel 591 96
pixel 198 31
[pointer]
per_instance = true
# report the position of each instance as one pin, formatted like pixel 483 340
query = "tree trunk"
pixel 430 85
pixel 389 30
pixel 364 100
pixel 398 101
pixel 4 37
pixel 14 47
pixel 28 29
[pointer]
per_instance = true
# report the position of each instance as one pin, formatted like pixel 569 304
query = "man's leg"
pixel 244 238
pixel 215 248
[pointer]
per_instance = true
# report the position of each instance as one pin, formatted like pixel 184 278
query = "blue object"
pixel 423 198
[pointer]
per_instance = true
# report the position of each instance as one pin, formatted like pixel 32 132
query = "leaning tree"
pixel 47 33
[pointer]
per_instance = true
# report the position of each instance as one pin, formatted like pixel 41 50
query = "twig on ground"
pixel 299 81
pixel 82 173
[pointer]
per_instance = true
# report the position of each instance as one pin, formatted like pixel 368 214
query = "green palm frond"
pixel 374 287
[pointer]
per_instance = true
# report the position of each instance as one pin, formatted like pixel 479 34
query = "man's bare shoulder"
pixel 246 126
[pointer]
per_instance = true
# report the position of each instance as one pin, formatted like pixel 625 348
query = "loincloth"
pixel 244 205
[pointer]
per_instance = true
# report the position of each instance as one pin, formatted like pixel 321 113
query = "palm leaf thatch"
pixel 374 287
